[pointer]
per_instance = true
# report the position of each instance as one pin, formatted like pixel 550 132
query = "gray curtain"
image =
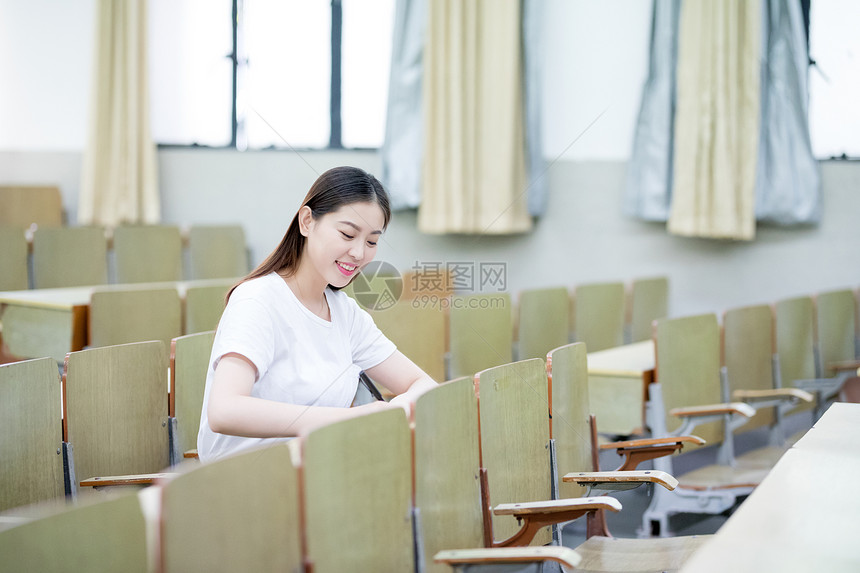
pixel 402 151
pixel 404 131
pixel 649 172
pixel 788 189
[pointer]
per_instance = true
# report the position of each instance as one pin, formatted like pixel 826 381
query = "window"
pixel 309 74
pixel 834 82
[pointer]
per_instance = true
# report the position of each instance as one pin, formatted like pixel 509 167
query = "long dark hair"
pixel 332 190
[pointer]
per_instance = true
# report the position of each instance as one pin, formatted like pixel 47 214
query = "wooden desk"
pixel 803 516
pixel 618 380
pixel 52 322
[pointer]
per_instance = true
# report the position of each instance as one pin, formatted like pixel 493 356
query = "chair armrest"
pixel 844 365
pixel 580 504
pixel 787 394
pixel 739 408
pixel 191 454
pixel 139 479
pixel 564 555
pixel 622 477
pixel 637 451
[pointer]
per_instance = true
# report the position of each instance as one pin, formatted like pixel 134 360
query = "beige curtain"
pixel 717 119
pixel 119 180
pixel 474 171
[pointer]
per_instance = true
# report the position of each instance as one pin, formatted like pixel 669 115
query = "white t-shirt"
pixel 300 357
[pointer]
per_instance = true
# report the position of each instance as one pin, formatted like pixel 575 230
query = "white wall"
pixel 596 61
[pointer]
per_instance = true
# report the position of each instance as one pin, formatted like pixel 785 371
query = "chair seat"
pixel 632 555
pixel 722 477
pixel 763 458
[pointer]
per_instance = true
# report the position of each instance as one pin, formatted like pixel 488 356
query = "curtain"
pixel 402 150
pixel 533 54
pixel 788 189
pixel 717 119
pixel 649 172
pixel 119 179
pixel 474 170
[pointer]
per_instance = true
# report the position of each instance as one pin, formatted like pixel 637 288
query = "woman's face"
pixel 340 243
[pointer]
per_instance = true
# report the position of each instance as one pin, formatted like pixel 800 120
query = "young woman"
pixel 290 345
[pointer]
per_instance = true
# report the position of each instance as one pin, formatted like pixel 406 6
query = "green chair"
pixel 240 513
pixel 31 433
pixel 102 536
pixel 480 333
pixel 115 414
pixel 13 258
pixel 69 256
pixel 147 253
pixel 836 327
pixel 357 495
pixel 217 252
pixel 189 363
pixel 543 321
pixel 599 315
pixel 119 315
pixel 204 305
pixel 28 205
pixel 648 301
pixel 419 332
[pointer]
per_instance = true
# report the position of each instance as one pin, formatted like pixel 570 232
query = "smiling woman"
pixel 290 346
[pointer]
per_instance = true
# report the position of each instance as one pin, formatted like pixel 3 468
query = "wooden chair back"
pixel 217 252
pixel 688 368
pixel 189 364
pixel 648 301
pixel 101 537
pixel 240 513
pixel 23 206
pixel 121 315
pixel 419 333
pixel 147 253
pixel 480 332
pixel 543 321
pixel 13 258
pixel 204 306
pixel 357 494
pixel 115 409
pixel 427 284
pixel 567 368
pixel 69 256
pixel 599 315
pixel 513 406
pixel 748 351
pixel 31 433
pixel 447 469
pixel 835 313
pixel 795 339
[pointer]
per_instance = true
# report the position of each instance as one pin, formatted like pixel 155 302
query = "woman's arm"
pixel 401 376
pixel 232 410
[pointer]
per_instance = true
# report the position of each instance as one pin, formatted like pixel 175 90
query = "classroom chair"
pixel 749 368
pixel 836 314
pixel 648 301
pixel 189 363
pixel 799 357
pixel 69 257
pixel 204 305
pixel 480 333
pixel 100 536
pixel 419 331
pixel 27 205
pixel 31 433
pixel 115 421
pixel 240 513
pixel 14 274
pixel 427 284
pixel 598 315
pixel 147 253
pixel 574 432
pixel 119 315
pixel 542 322
pixel 688 395
pixel 216 252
